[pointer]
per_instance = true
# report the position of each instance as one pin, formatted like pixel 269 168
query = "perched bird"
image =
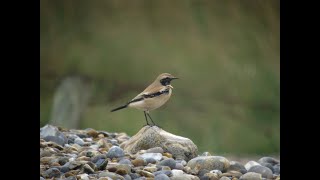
pixel 154 96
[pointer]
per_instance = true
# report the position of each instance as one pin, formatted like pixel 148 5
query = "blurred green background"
pixel 226 53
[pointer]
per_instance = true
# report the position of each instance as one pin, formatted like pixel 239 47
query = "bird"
pixel 153 97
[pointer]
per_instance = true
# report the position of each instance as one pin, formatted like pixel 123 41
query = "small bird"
pixel 154 96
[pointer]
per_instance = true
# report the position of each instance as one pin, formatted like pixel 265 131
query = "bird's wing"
pixel 150 93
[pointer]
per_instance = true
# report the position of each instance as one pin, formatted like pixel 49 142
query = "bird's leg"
pixel 151 118
pixel 146 117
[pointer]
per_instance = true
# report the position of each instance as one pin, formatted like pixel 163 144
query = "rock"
pixel 180 175
pixel 63 160
pixel 269 160
pixel 127 177
pixel 232 174
pixel 179 166
pixel 111 175
pixel 250 164
pixel 209 176
pixel 202 172
pixel 104 178
pixel 156 156
pixel 224 178
pixel 151 160
pixel 87 169
pixel 134 175
pixel 268 165
pixel 155 150
pixel 115 152
pixel 209 163
pixel 97 157
pixel 150 169
pixel 41 178
pixel 93 133
pixel 83 176
pixel 75 164
pixel 166 154
pixel 138 162
pixel 166 172
pixel 264 171
pixel 71 173
pixel 123 169
pixel 101 164
pixel 125 161
pixel 183 162
pixel 71 178
pixel 276 169
pixel 251 176
pixel 236 166
pixel 150 137
pixel 79 141
pixel 52 172
pixel 161 177
pixel 146 174
pixel 168 162
pixel 51 133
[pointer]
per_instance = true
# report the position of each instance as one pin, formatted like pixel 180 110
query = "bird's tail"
pixel 118 108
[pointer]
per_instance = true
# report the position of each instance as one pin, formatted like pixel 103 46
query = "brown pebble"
pixel 137 162
pixel 112 169
pixel 167 154
pixel 146 174
pixel 92 133
pixel 55 164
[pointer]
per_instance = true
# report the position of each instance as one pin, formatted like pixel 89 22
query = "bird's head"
pixel 165 79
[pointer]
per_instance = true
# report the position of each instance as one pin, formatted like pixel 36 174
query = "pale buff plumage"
pixel 153 97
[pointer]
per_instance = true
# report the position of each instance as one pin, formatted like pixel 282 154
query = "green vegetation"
pixel 227 54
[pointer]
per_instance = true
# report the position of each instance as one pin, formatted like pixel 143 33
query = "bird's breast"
pixel 149 104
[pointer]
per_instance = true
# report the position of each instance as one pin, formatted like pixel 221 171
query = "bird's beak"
pixel 170 86
pixel 174 78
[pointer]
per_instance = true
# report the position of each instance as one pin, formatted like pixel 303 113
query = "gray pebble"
pixel 179 166
pixel 251 176
pixel 269 160
pixel 202 172
pixel 127 177
pixel 224 178
pixel 264 171
pixel 79 141
pixel 155 150
pixel 134 175
pixel 87 169
pixel 101 164
pixel 236 166
pixel 156 156
pixel 115 152
pixel 71 178
pixel 161 177
pixel 166 172
pixel 250 164
pixel 276 169
pixel 97 157
pixel 125 161
pixel 41 178
pixel 150 160
pixel 216 171
pixel 168 162
pixel 63 160
pixel 52 172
